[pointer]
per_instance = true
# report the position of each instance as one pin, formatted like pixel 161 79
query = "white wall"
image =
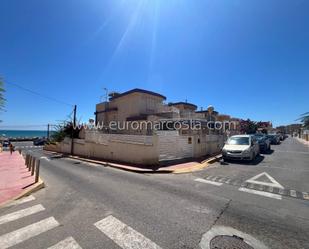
pixel 172 146
pixel 140 149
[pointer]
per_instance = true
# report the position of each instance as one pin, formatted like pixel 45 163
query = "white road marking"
pixel 293 193
pixel 27 232
pixel 228 181
pixel 44 157
pixel 21 213
pixel 209 182
pixel 281 192
pixel 214 178
pixel 273 182
pixel 305 196
pixel 257 192
pixel 123 235
pixel 222 180
pixel 68 243
pixel 20 201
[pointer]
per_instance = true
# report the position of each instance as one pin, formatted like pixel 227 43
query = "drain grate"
pixel 228 242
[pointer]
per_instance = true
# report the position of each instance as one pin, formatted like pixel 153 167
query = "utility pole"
pixel 73 127
pixel 106 93
pixel 47 131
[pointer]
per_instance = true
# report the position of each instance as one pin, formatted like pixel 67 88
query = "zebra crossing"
pixel 120 233
pixel 123 235
pixel 68 243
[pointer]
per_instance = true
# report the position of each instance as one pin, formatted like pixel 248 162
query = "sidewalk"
pixel 303 141
pixel 177 168
pixel 15 179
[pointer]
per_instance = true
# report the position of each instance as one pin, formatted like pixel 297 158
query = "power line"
pixel 38 94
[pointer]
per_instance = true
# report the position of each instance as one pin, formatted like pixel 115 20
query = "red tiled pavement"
pixel 13 176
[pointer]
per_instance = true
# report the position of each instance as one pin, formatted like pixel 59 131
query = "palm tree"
pixel 304 118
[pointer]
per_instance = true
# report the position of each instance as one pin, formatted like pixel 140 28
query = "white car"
pixel 241 147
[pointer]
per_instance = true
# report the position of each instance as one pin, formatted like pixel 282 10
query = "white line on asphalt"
pixel 273 182
pixel 27 232
pixel 305 196
pixel 123 235
pixel 209 182
pixel 293 193
pixel 20 201
pixel 257 192
pixel 228 181
pixel 68 243
pixel 281 192
pixel 21 213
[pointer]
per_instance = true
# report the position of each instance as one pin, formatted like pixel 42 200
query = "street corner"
pixel 195 166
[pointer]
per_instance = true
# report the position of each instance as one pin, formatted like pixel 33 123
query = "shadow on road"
pixel 269 152
pixel 255 162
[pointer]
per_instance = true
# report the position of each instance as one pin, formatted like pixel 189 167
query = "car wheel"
pixel 252 156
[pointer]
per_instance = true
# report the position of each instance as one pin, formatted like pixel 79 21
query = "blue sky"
pixel 247 58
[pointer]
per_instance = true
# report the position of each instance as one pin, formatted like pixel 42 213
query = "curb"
pixel 106 164
pixel 213 159
pixel 191 169
pixel 33 188
pixel 202 165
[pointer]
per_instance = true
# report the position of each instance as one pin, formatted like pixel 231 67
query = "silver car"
pixel 241 147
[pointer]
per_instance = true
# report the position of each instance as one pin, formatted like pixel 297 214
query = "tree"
pixel 304 118
pixel 248 126
pixel 2 99
pixel 65 130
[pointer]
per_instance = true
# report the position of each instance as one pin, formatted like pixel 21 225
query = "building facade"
pixel 138 127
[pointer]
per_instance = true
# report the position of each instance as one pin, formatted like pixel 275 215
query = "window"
pixel 238 141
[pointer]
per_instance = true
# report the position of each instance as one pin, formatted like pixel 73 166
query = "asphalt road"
pixel 287 163
pixel 91 206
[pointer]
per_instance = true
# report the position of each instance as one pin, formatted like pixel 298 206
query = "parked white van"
pixel 241 147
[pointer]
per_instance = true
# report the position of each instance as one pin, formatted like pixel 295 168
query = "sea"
pixel 22 133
